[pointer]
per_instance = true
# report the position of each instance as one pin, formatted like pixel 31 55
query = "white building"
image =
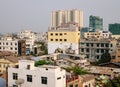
pixel 30 76
pixel 14 45
pixel 74 16
pixel 98 34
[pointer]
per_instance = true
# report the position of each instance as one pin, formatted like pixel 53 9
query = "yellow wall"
pixel 70 36
pixel 4 63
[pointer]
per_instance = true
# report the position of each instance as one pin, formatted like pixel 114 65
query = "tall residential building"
pixel 73 16
pixel 27 75
pixel 114 28
pixel 64 38
pixel 95 23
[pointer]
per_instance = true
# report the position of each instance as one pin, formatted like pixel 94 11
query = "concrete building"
pixel 94 48
pixel 98 34
pixel 95 23
pixel 74 16
pixel 29 37
pixel 114 28
pixel 7 62
pixel 42 36
pixel 64 38
pixel 12 44
pixel 27 75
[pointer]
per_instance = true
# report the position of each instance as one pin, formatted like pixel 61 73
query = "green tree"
pixel 77 70
pixel 105 57
pixel 42 62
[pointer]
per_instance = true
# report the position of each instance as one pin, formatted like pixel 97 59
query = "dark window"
pixel 11 43
pixel 51 39
pixel 111 45
pixel 60 34
pixel 3 43
pixel 15 76
pixel 15 48
pixel 97 44
pixel 0 43
pixel 15 86
pixel 65 39
pixel 56 34
pixel 29 78
pixel 56 39
pixel 87 50
pixel 82 50
pixel 107 45
pixel 71 86
pixel 44 80
pixel 86 86
pixel 87 44
pixel 58 78
pixel 97 50
pixel 11 48
pixel 60 39
pixel 102 45
pixel 6 43
pixel 113 57
pixel 51 34
pixel 91 44
pixel 15 43
pixel 102 51
pixel 0 47
pixel 65 33
pixel 89 85
pixel 76 85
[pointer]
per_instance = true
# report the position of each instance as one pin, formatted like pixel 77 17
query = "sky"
pixel 35 15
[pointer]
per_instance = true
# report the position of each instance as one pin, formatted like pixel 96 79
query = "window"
pixel 56 34
pixel 82 50
pixel 6 43
pixel 11 43
pixel 11 48
pixel 44 80
pixel 15 86
pixel 87 50
pixel 56 39
pixel 51 39
pixel 15 76
pixel 0 43
pixel 65 39
pixel 29 78
pixel 97 44
pixel 71 86
pixel 15 48
pixel 60 39
pixel 65 33
pixel 60 34
pixel 51 34
pixel 58 78
pixel 87 44
pixel 76 85
pixel 102 45
pixel 0 47
pixel 15 43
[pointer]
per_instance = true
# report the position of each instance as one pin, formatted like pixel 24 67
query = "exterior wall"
pixel 55 76
pixel 89 83
pixel 5 63
pixel 116 36
pixel 98 34
pixel 94 49
pixel 52 46
pixel 96 23
pixel 9 45
pixel 66 16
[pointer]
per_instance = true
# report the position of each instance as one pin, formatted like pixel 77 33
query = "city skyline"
pixel 36 15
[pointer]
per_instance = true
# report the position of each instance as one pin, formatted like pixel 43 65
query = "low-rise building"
pixel 94 48
pixel 27 75
pixel 14 45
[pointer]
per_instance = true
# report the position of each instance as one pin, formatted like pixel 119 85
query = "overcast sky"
pixel 17 15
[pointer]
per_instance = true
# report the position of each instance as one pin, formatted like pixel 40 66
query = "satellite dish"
pixel 19 81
